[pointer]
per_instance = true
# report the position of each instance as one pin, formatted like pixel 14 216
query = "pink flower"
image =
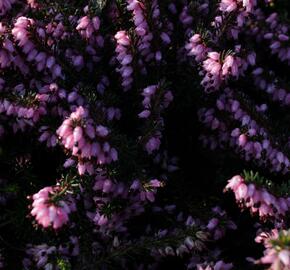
pixel 77 134
pixel 234 182
pixel 49 213
pixel 242 140
pixel 87 26
pixel 232 5
pixel 228 5
pixel 276 253
pixel 197 48
pixel 241 191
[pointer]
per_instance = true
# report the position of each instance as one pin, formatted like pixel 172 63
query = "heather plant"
pixel 121 122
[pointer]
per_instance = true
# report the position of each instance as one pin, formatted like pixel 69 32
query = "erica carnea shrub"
pixel 121 122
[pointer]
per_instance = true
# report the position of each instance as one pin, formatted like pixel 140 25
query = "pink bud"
pixel 77 134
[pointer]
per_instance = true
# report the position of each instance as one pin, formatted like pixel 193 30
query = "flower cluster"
pixel 79 134
pixel 245 135
pixel 219 223
pixel 24 116
pixel 277 253
pixel 87 26
pixel 116 203
pixel 41 60
pixel 142 28
pixel 135 189
pixel 192 242
pixel 43 256
pixel 232 5
pixel 125 58
pixel 218 70
pixel 259 200
pixel 197 48
pixel 48 210
pixel 269 82
pixel 277 36
pixel 155 100
pixel 191 238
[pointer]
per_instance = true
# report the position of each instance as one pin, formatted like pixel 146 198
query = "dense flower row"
pixel 107 213
pixel 42 256
pixel 244 134
pixel 155 100
pixel 65 74
pixel 258 200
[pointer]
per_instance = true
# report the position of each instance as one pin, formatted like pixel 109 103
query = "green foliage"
pixel 283 241
pixel 63 264
pixel 96 6
pixel 282 189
